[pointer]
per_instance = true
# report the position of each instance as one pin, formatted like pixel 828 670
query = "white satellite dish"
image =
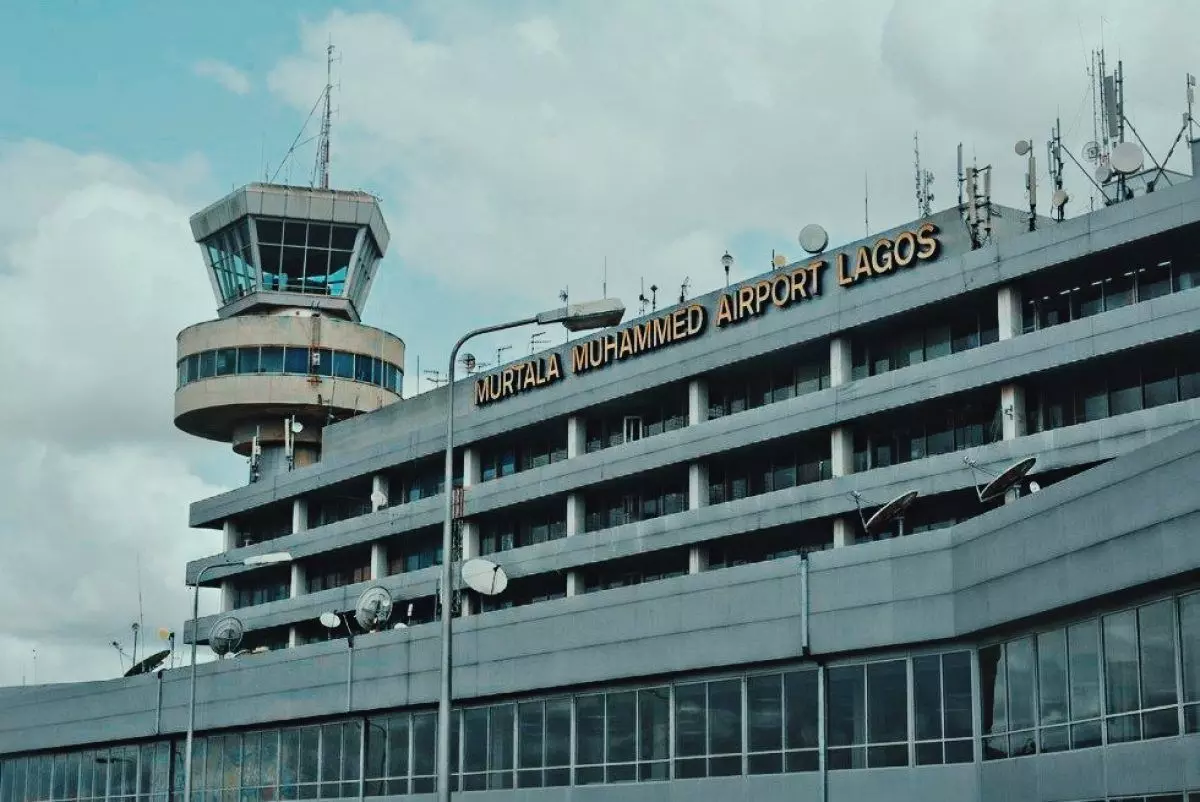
pixel 297 427
pixel 1022 147
pixel 330 620
pixel 378 499
pixel 401 625
pixel 1059 198
pixel 374 608
pixel 1103 173
pixel 225 635
pixel 1005 481
pixel 484 576
pixel 1034 486
pixel 1126 158
pixel 889 512
pixel 813 238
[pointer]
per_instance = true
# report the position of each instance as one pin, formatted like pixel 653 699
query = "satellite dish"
pixel 1126 158
pixel 330 620
pixel 469 359
pixel 164 633
pixel 1091 151
pixel 297 427
pixel 1007 479
pixel 484 576
pixel 149 664
pixel 779 260
pixel 1022 147
pixel 1034 486
pixel 374 608
pixel 813 238
pixel 889 512
pixel 1103 173
pixel 1059 198
pixel 378 499
pixel 401 625
pixel 225 635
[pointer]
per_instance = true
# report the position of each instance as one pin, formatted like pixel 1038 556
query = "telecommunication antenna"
pixel 867 203
pixel 435 377
pixel 924 178
pixel 882 517
pixel 500 354
pixel 1001 483
pixel 643 301
pixel 536 339
pixel 653 297
pixel 1054 163
pixel 726 262
pixel 978 203
pixel 683 288
pixel 322 167
pixel 1024 147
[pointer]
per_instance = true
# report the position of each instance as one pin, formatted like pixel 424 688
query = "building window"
pixel 624 503
pixel 867 722
pixel 942 708
pixel 636 418
pixel 531 450
pixel 880 350
pixel 955 424
pixel 767 382
pixel 310 258
pixel 708 729
pixel 292 360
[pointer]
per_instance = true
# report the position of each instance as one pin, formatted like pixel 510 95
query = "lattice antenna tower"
pixel 321 169
pixel 923 180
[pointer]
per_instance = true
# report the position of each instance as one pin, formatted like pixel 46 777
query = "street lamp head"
pixel 727 260
pixel 268 559
pixel 588 315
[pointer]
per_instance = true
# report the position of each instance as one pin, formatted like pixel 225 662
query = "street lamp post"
pixel 575 317
pixel 259 559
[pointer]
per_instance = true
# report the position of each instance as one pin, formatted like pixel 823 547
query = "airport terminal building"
pixel 695 607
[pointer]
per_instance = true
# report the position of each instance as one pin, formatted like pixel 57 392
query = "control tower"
pixel 291 268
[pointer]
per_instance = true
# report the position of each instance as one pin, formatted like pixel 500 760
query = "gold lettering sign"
pixel 779 290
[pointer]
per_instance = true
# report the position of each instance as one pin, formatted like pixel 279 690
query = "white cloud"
pixel 226 75
pixel 97 274
pixel 530 144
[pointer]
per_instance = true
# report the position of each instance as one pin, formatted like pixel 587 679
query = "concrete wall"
pixel 1025 559
pixel 414 428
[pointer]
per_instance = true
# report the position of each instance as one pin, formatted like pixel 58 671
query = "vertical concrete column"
pixel 299 514
pixel 576 436
pixel 379 489
pixel 299 579
pixel 841 451
pixel 697 559
pixel 230 534
pixel 575 512
pixel 470 466
pixel 470 548
pixel 697 401
pixel 843 531
pixel 1012 411
pixel 379 561
pixel 227 595
pixel 1008 311
pixel 841 361
pixel 697 485
pixel 574 583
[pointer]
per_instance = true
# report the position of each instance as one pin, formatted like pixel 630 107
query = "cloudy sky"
pixel 518 147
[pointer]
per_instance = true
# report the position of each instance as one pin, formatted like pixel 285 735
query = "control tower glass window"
pixel 232 259
pixel 310 258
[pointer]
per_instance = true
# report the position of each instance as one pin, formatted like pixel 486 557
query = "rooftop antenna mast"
pixel 326 121
pixel 979 204
pixel 1054 162
pixel 643 301
pixel 924 178
pixel 683 288
pixel 867 204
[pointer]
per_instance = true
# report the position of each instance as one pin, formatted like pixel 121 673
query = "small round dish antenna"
pixel 378 499
pixel 1091 152
pixel 484 576
pixel 1034 486
pixel 1022 147
pixel 813 238
pixel 374 608
pixel 1103 173
pixel 225 635
pixel 778 260
pixel 1008 479
pixel 1126 158
pixel 297 427
pixel 889 512
pixel 330 620
pixel 1059 198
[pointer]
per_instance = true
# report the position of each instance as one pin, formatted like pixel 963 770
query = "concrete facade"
pixel 1113 530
